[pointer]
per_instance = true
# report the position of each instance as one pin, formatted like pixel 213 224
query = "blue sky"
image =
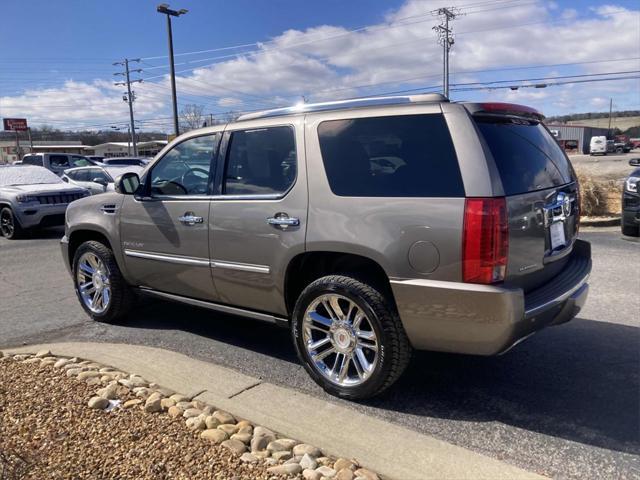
pixel 56 57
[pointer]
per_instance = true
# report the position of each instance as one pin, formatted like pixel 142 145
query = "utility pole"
pixel 165 10
pixel 130 97
pixel 610 112
pixel 445 38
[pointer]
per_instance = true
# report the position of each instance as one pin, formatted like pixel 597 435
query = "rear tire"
pixel 630 230
pixel 10 227
pixel 103 292
pixel 360 326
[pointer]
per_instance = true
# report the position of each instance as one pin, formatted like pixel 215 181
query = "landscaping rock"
pixel 224 417
pixel 304 448
pixel 154 396
pixel 368 474
pixel 344 463
pixel 132 403
pixel 43 353
pixel 214 435
pixel 211 422
pixel 326 471
pixel 87 375
pixel 152 406
pixel 110 392
pixel 282 455
pixel 308 462
pixel 196 423
pixel 178 397
pixel 167 403
pixel 235 446
pixel 345 474
pixel 261 438
pixel 98 403
pixel 228 429
pixel 248 458
pixel 311 475
pixel 242 437
pixel 276 446
pixel 191 412
pixel 175 411
pixel 288 469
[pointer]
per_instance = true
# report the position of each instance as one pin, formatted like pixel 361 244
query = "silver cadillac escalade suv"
pixel 368 227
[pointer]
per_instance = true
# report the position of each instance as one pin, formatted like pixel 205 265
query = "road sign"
pixel 15 124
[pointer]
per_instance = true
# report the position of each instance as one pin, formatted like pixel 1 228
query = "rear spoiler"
pixel 508 109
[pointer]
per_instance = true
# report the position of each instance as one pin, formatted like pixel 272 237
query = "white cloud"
pixel 328 61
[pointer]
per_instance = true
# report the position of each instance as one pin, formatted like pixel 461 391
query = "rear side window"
pixel 33 160
pixel 59 161
pixel 526 154
pixel 261 161
pixel 396 156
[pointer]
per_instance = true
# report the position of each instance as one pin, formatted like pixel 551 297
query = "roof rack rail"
pixel 346 104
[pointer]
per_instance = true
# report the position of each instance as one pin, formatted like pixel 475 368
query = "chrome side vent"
pixel 109 208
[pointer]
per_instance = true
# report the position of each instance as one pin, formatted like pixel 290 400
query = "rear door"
pixel 541 193
pixel 260 213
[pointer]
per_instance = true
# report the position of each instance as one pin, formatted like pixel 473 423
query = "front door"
pixel 259 213
pixel 164 231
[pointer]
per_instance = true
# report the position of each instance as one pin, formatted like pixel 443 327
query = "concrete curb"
pixel 391 450
pixel 605 222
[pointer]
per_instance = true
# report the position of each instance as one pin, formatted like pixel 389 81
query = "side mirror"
pixel 634 162
pixel 65 179
pixel 100 181
pixel 127 183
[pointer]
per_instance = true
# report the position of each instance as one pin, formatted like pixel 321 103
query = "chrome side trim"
pixel 265 317
pixel 243 267
pixel 202 262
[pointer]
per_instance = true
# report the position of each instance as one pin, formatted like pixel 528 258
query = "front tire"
pixel 349 337
pixel 99 285
pixel 10 227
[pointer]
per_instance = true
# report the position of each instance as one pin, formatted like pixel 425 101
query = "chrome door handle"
pixel 190 219
pixel 283 220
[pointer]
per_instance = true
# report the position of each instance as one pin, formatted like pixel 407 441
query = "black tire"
pixel 10 227
pixel 394 348
pixel 122 295
pixel 630 230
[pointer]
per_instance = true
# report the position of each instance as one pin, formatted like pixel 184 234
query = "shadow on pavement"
pixel 578 381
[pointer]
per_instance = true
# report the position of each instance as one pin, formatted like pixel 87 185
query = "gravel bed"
pixel 64 418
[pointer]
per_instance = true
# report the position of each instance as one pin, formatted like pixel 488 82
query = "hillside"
pixel 623 123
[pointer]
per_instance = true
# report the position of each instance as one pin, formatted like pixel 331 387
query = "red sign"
pixel 15 124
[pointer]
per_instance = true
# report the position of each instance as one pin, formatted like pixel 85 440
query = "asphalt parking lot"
pixel 565 403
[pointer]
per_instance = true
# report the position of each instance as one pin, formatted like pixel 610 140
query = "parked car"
pixel 33 197
pixel 97 179
pixel 95 158
pixel 135 161
pixel 56 162
pixel 467 242
pixel 598 145
pixel 622 146
pixel 630 223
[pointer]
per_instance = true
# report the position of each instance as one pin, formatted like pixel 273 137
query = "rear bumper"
pixel 487 320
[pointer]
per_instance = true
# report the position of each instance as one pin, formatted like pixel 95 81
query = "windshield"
pixel 24 175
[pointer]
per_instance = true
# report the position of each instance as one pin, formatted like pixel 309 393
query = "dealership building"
pixel 576 138
pixel 8 153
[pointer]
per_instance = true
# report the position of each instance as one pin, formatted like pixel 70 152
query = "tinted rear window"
pixel 526 154
pixel 396 156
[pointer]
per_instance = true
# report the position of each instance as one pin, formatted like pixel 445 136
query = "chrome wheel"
pixel 340 340
pixel 92 281
pixel 6 223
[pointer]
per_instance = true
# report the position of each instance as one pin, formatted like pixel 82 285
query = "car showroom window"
pixel 391 156
pixel 261 161
pixel 184 170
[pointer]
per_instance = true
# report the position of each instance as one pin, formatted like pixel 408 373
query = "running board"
pixel 264 317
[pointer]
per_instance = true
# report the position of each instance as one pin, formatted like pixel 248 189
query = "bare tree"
pixel 191 117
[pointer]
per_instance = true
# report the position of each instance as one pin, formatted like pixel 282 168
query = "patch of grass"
pixel 599 197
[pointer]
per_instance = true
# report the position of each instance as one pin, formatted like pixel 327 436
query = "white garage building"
pixel 124 149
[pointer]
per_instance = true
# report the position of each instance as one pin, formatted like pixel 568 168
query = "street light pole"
pixel 164 9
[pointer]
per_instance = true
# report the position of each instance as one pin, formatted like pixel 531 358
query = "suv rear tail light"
pixel 485 242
